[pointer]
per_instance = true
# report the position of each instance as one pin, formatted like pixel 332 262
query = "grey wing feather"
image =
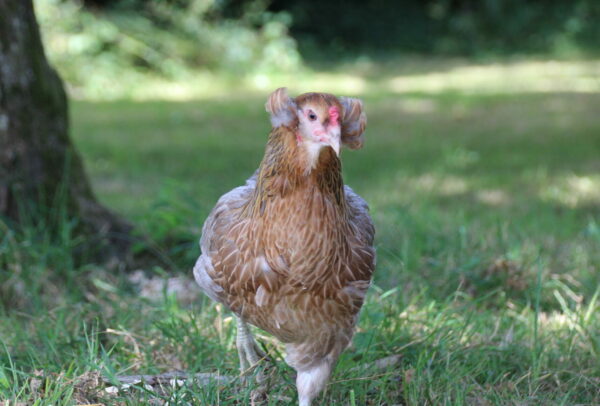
pixel 361 219
pixel 227 204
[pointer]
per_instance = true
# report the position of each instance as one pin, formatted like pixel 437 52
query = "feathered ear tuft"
pixel 354 121
pixel 281 108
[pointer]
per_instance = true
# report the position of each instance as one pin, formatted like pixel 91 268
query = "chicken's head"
pixel 319 119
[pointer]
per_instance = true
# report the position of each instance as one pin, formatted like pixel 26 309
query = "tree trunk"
pixel 41 173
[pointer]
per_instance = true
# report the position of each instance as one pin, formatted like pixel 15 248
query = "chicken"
pixel 291 251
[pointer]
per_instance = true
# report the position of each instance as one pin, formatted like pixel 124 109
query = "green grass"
pixel 487 207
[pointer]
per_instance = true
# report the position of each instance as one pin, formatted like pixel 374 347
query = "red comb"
pixel 334 115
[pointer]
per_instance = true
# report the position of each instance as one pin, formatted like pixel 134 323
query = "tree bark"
pixel 41 173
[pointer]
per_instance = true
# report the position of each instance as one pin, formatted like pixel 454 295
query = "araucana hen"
pixel 291 251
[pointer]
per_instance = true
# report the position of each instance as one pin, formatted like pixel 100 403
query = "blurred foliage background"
pixel 92 42
pixel 448 27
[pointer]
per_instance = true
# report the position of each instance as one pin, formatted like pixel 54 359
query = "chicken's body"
pixel 292 253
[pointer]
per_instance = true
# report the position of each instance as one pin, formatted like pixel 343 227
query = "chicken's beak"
pixel 334 142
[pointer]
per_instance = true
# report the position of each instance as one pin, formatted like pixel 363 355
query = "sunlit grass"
pixel 574 191
pixel 505 78
pixel 400 78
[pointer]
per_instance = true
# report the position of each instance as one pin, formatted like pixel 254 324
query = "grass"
pixel 487 206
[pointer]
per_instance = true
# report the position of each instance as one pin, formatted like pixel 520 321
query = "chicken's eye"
pixel 312 116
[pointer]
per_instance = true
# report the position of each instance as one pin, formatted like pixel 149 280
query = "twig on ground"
pixel 207 378
pixel 202 378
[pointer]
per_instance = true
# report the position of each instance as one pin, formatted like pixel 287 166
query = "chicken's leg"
pixel 249 352
pixel 250 355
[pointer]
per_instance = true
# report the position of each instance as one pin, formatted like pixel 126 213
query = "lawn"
pixel 484 185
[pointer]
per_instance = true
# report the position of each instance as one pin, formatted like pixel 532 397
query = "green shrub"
pixel 103 50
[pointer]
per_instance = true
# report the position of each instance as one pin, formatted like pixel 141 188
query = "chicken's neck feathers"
pixel 287 168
